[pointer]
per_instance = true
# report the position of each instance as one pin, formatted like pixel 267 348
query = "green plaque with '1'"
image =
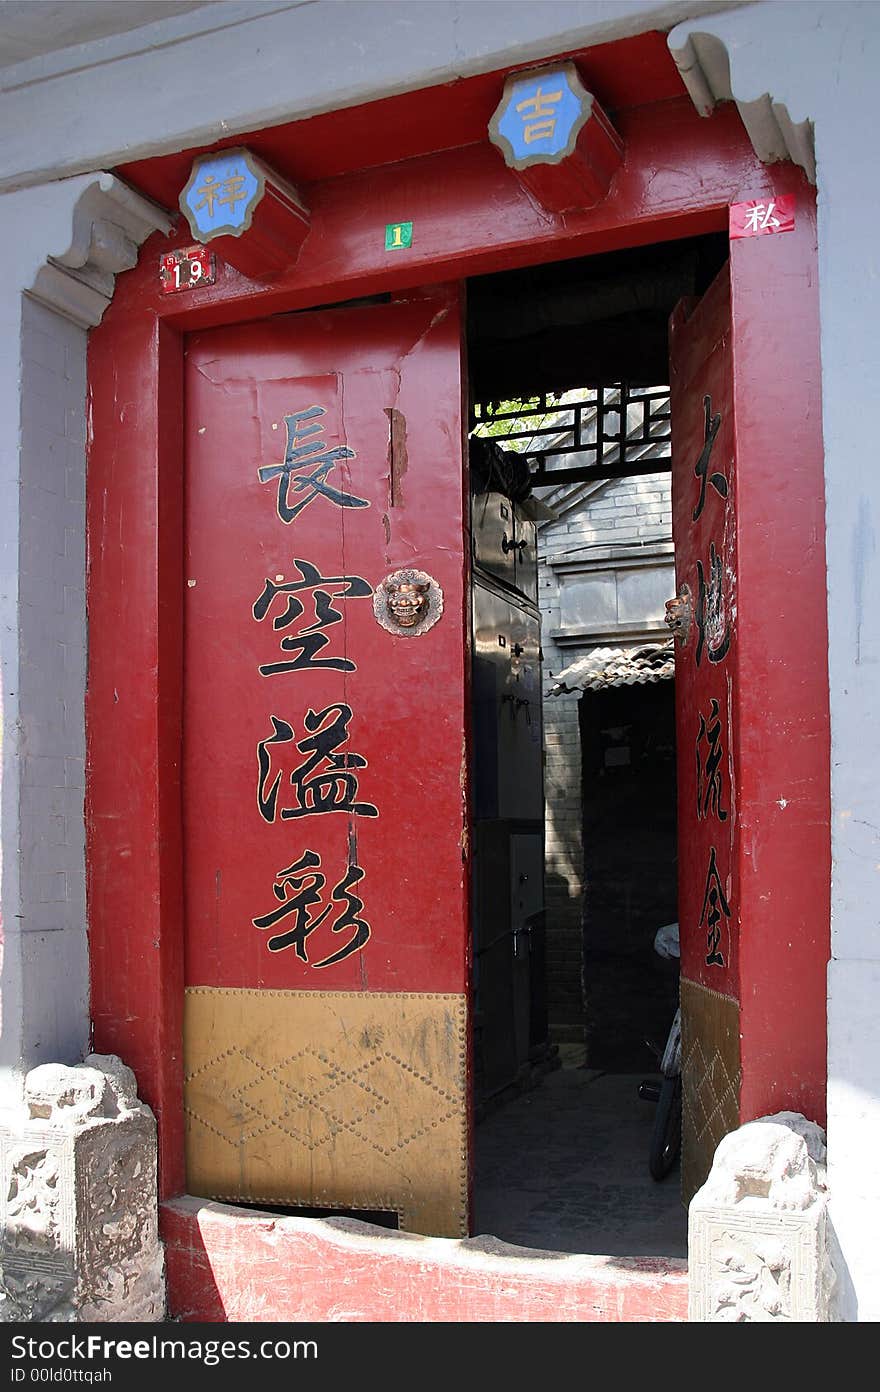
pixel 398 236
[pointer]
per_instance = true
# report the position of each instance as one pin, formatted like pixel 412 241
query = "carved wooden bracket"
pixel 704 64
pixel 110 221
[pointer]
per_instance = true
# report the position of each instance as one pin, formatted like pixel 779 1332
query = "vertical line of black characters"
pixel 713 639
pixel 324 780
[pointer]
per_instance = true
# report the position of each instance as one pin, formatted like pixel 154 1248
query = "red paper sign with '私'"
pixel 759 217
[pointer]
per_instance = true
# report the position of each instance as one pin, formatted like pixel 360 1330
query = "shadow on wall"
pixel 630 871
pixel 846 1302
pixel 564 964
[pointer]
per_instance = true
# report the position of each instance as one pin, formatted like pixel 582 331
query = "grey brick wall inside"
pixel 52 658
pixel 628 513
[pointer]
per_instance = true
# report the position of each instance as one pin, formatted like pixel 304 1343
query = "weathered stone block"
pixel 78 1199
pixel 758 1243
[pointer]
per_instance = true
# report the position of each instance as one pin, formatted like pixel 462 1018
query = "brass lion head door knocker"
pixel 408 603
pixel 680 614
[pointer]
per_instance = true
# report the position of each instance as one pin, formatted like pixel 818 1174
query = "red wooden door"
pixel 704 527
pixel 751 692
pixel 324 808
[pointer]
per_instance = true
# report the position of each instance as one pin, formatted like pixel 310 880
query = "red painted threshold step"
pixel 234 1265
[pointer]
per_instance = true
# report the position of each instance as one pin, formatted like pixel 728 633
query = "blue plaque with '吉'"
pixel 540 114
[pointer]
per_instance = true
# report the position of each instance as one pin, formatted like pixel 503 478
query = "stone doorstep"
pixel 758 1242
pixel 229 1265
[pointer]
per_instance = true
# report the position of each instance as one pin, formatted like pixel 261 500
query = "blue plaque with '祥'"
pixel 540 116
pixel 221 194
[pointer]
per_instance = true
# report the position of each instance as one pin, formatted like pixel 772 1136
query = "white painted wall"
pixel 821 60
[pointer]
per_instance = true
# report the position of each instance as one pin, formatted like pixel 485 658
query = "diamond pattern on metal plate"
pixel 711 1077
pixel 369 1113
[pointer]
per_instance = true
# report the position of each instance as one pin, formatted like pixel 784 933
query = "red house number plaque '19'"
pixel 186 268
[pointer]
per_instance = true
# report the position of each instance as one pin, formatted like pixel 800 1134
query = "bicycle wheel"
pixel 666 1137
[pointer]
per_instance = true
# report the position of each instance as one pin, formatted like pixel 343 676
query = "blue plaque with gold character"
pixel 254 218
pixel 555 136
pixel 221 194
pixel 541 114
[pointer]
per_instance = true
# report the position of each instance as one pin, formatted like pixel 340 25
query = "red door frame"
pixel 470 217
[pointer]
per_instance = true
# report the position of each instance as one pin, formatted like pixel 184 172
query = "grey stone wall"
pixel 62 244
pixel 604 569
pixel 52 657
